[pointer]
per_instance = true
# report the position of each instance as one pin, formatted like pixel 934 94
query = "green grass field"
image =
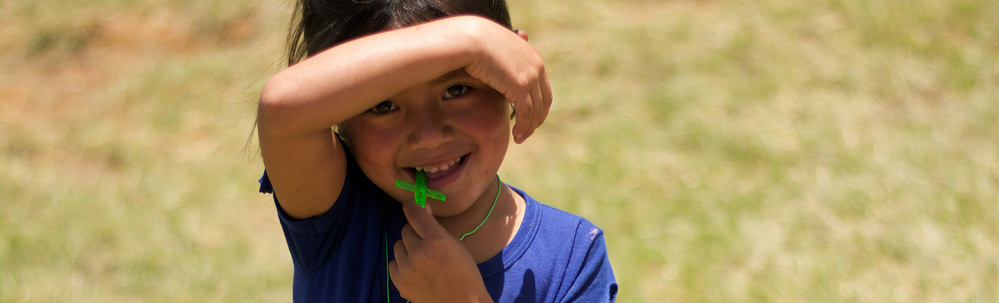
pixel 733 151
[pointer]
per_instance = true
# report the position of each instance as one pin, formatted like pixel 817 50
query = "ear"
pixel 522 34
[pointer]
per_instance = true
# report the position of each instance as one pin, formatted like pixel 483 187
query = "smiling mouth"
pixel 438 170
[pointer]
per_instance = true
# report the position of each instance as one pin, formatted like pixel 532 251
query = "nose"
pixel 429 127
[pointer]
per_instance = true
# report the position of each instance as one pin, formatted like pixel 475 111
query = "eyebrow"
pixel 458 73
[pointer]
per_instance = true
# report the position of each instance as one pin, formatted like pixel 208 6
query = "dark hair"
pixel 320 24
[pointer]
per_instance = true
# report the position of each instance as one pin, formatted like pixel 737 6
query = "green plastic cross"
pixel 420 190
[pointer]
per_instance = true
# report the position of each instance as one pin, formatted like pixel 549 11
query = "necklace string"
pixel 499 188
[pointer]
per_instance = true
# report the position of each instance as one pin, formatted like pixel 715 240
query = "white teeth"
pixel 444 167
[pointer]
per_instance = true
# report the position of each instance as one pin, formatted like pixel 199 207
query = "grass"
pixel 745 151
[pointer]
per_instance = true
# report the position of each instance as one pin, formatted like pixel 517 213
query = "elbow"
pixel 275 97
pixel 276 109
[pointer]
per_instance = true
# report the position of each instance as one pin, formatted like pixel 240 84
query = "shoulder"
pixel 569 252
pixel 551 217
pixel 554 225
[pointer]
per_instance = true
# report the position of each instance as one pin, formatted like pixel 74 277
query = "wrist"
pixel 471 35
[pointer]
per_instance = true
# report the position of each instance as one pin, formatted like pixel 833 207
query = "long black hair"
pixel 320 24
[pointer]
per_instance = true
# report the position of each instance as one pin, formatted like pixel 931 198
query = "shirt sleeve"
pixel 312 240
pixel 595 281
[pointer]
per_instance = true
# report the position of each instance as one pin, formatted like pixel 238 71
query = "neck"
pixel 466 221
pixel 496 232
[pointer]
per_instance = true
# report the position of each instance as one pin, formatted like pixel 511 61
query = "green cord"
pixel 499 187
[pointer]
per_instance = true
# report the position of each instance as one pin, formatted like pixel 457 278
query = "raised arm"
pixel 299 105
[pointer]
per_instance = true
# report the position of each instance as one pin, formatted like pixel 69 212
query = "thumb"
pixel 421 219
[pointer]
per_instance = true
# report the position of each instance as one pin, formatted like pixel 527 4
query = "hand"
pixel 432 266
pixel 514 68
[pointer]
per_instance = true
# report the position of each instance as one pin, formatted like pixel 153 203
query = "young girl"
pixel 416 86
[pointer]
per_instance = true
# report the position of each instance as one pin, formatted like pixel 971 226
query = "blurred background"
pixel 733 151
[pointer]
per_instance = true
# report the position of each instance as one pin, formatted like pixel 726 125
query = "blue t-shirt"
pixel 342 256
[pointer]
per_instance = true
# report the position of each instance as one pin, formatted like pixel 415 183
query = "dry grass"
pixel 830 151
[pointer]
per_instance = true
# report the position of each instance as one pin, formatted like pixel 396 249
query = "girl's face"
pixel 455 128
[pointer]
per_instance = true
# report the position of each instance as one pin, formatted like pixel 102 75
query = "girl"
pixel 416 86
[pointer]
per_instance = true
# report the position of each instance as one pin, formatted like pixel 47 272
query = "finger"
pixel 537 94
pixel 408 233
pixel 421 220
pixel 400 264
pixel 395 271
pixel 546 94
pixel 537 103
pixel 544 106
pixel 393 268
pixel 410 239
pixel 525 113
pixel 401 254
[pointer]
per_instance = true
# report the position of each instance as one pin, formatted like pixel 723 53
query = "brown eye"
pixel 455 91
pixel 384 107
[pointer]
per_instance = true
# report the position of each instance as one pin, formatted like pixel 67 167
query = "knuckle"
pixel 422 259
pixel 432 253
pixel 400 251
pixel 523 80
pixel 539 67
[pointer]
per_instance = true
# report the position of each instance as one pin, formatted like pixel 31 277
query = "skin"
pixel 426 126
pixel 449 84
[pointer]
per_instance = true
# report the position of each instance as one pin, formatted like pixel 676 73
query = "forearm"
pixel 348 79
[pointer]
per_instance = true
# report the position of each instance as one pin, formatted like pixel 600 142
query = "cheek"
pixel 372 147
pixel 489 118
pixel 489 126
